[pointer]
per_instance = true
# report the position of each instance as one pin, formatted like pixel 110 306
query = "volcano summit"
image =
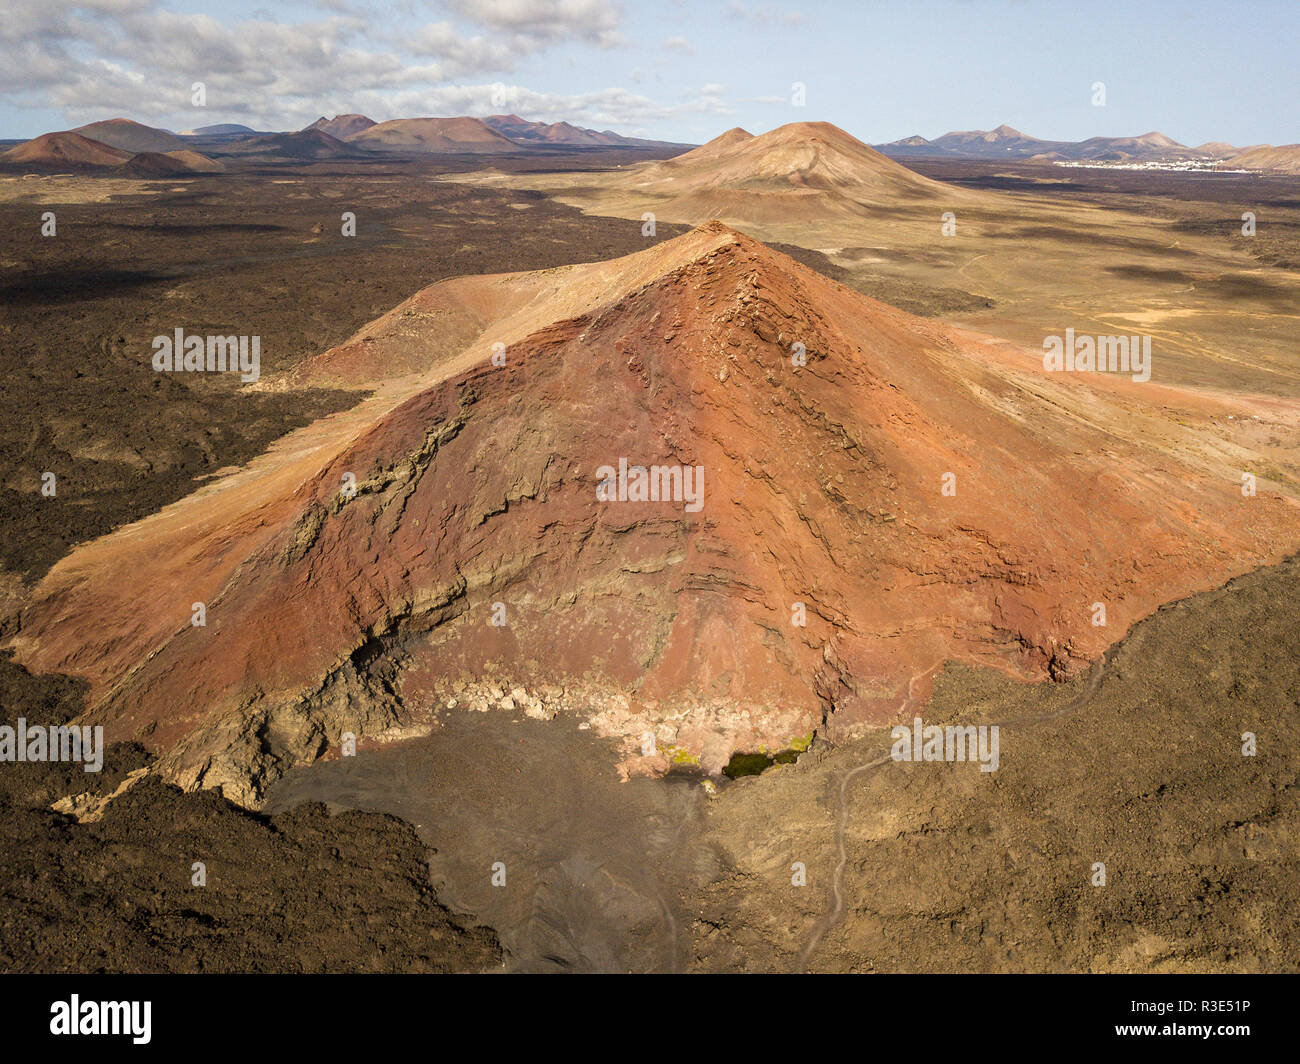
pixel 881 494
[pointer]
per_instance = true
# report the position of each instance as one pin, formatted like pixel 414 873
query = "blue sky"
pixel 682 71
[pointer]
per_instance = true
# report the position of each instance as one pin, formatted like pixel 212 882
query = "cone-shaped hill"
pixel 804 169
pixel 840 497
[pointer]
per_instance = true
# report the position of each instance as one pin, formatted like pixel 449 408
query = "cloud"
pixel 459 55
pixel 594 21
pixel 679 44
pixel 618 108
pixel 94 58
pixel 765 14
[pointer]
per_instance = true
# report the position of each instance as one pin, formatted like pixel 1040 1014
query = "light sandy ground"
pixel 69 188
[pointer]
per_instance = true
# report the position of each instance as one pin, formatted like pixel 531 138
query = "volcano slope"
pixel 65 149
pixel 1019 263
pixel 880 495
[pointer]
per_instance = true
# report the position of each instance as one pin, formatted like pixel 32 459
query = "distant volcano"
pixel 310 143
pixel 174 163
pixel 433 135
pixel 65 149
pixel 342 126
pixel 563 134
pixel 132 136
pixel 797 171
pixel 878 495
pixel 1285 158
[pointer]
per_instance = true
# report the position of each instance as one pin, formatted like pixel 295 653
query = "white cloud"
pixel 595 21
pixel 765 14
pixel 100 58
pixel 460 55
pixel 618 108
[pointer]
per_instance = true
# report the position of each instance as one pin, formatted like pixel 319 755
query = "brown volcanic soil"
pixel 1072 491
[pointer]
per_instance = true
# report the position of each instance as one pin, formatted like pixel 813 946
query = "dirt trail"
pixel 836 913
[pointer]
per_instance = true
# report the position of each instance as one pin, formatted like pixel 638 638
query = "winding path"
pixel 836 913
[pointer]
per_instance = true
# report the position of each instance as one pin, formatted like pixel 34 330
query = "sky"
pixel 680 70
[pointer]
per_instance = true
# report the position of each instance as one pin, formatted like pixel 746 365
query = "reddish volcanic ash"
pixel 476 485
